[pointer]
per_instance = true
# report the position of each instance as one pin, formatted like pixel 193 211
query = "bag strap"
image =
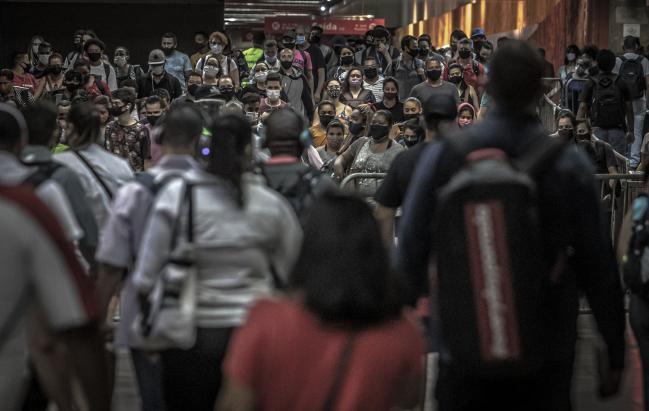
pixel 339 374
pixel 94 173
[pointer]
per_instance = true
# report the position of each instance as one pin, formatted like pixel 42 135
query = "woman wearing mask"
pixel 333 91
pixel 371 154
pixel 51 86
pixel 227 66
pixel 390 100
pixel 358 124
pixel 258 82
pixel 466 92
pixel 241 229
pixel 34 43
pixel 570 62
pixel 123 69
pixel 321 334
pixel 413 133
pixel 211 71
pixel 329 152
pixel 346 63
pixel 353 93
pixel 484 50
pixel 466 115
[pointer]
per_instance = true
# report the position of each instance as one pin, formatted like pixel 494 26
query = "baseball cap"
pixel 478 32
pixel 156 57
pixel 291 34
pixel 440 106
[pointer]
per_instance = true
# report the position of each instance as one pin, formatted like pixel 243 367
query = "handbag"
pixel 167 317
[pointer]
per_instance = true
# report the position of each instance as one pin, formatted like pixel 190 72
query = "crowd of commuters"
pixel 195 198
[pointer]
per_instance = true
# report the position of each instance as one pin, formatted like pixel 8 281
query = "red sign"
pixel 331 26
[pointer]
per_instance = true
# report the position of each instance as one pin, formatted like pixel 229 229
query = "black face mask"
pixel 290 45
pixel 390 96
pixel 464 53
pixel 94 57
pixel 55 70
pixel 227 92
pixel 455 79
pixel 370 72
pixel 72 87
pixel 286 64
pixel 346 60
pixel 410 141
pixel 423 52
pixel 117 111
pixel 433 75
pixel 325 119
pixel 192 88
pixel 355 128
pixel 582 136
pixel 168 51
pixel 153 119
pixel 314 39
pixel 566 134
pixel 410 116
pixel 413 52
pixel 378 131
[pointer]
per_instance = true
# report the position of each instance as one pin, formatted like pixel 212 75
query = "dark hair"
pixel 415 125
pixel 17 55
pixel 55 56
pixel 514 67
pixel 335 123
pixel 170 35
pixel 591 51
pixel 72 75
pixel 368 57
pixel 567 114
pixel 202 33
pixel 344 274
pixel 81 63
pixel 101 101
pixel 250 97
pixel 572 49
pixel 155 99
pixel 283 130
pixel 465 40
pixel 502 40
pixel 405 41
pixel 7 73
pixel 458 34
pixel 195 74
pixel 12 126
pixel 94 41
pixel 128 53
pixel 631 43
pixel 484 44
pixel 586 122
pixel 125 95
pixel 346 85
pixel 325 103
pixel 182 125
pixel 274 77
pixel 317 28
pixel 258 37
pixel 128 83
pixel 387 115
pixel 231 136
pixel 41 122
pixel 84 117
pixel 391 80
pixel 163 93
pixel 425 37
pixel 606 60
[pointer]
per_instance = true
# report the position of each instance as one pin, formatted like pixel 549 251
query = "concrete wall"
pixel 136 24
pixel 634 14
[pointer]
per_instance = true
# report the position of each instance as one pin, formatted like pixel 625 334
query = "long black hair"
pixel 230 136
pixel 344 274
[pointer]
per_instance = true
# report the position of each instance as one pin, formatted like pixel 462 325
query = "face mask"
pixel 199 46
pixel 355 81
pixel 55 70
pixel 117 111
pixel 355 128
pixel 410 116
pixel 269 59
pixel 94 57
pixel 377 131
pixel 580 70
pixel 464 53
pixel 566 134
pixel 346 60
pixel 227 92
pixel 216 48
pixel 410 140
pixel 315 38
pixel 413 52
pixel 571 56
pixel 261 76
pixel 583 136
pixel 325 119
pixel 153 119
pixel 286 64
pixel 72 87
pixel 120 61
pixel 455 79
pixel 192 88
pixel 423 52
pixel 167 50
pixel 433 75
pixel 300 40
pixel 288 45
pixel 44 58
pixel 370 72
pixel 157 70
pixel 210 71
pixel 334 92
pixel 390 96
pixel 252 116
pixel 273 95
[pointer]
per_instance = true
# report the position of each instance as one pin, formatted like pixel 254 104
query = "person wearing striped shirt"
pixel 372 80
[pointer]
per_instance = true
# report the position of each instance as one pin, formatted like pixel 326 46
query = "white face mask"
pixel 571 56
pixel 120 61
pixel 43 58
pixel 252 116
pixel 261 76
pixel 273 95
pixel 216 48
pixel 210 71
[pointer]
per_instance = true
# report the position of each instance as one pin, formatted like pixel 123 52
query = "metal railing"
pixel 347 181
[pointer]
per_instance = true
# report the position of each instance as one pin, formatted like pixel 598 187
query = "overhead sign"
pixel 331 26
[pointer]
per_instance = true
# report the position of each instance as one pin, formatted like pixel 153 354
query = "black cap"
pixel 290 34
pixel 440 107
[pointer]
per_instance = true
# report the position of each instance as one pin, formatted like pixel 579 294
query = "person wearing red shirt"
pixel 337 340
pixel 22 78
pixel 474 72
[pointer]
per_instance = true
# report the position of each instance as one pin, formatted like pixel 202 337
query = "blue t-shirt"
pixel 177 64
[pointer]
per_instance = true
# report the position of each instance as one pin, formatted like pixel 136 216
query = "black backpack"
pixel 492 275
pixel 297 183
pixel 44 171
pixel 633 75
pixel 607 108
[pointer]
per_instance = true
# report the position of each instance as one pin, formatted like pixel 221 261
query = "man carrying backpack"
pixel 606 100
pixel 633 70
pixel 513 244
pixel 287 137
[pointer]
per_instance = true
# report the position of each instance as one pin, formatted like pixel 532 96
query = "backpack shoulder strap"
pixel 44 172
pixel 623 59
pixel 92 170
pixel 107 71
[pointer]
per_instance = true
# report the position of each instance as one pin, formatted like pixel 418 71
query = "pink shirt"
pixel 25 80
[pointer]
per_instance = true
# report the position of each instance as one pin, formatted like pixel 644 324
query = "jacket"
pixel 296 87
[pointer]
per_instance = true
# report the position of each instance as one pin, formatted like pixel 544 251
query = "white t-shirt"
pixel 632 56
